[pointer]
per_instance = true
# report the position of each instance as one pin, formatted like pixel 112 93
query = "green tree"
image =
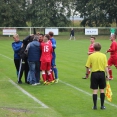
pixel 13 13
pixel 49 13
pixel 97 12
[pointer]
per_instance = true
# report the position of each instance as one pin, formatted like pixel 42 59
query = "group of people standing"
pixel 100 68
pixel 35 55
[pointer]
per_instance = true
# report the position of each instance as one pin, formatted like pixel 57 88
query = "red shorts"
pixel 45 66
pixel 112 61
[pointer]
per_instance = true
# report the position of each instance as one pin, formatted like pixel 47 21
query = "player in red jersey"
pixel 91 47
pixel 113 55
pixel 46 57
pixel 90 51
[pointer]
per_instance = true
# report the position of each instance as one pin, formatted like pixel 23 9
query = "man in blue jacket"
pixel 33 51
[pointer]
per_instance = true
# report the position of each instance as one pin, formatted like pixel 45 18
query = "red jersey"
pixel 46 49
pixel 49 42
pixel 113 49
pixel 91 48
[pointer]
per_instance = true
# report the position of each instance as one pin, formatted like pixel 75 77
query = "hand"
pixel 106 52
pixel 107 78
pixel 26 52
pixel 86 76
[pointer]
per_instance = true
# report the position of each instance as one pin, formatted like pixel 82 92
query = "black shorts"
pixel 98 80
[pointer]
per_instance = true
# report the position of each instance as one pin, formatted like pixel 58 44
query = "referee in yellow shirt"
pixel 98 63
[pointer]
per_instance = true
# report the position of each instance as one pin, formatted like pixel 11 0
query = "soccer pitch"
pixel 71 97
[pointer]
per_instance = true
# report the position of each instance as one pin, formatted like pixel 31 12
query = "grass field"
pixel 71 97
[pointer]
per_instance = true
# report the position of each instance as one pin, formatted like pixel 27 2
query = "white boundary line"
pixel 6 57
pixel 78 89
pixel 25 92
pixel 29 95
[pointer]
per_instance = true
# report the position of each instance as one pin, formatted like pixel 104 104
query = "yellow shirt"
pixel 97 61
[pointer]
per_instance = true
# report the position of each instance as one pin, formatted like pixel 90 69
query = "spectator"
pixel 24 63
pixel 33 52
pixel 16 45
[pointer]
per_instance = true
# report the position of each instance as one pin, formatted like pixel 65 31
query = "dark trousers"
pixel 24 68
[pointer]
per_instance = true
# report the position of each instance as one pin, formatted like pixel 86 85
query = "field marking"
pixel 6 57
pixel 72 87
pixel 25 92
pixel 28 94
pixel 111 104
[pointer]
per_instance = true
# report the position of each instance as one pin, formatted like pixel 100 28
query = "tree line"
pixel 56 13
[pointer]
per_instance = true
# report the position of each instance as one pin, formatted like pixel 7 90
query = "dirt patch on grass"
pixel 16 109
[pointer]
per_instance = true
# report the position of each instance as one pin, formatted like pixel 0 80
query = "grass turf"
pixel 71 97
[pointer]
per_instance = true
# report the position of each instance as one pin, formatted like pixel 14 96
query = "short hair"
pixel 36 37
pixel 47 36
pixel 41 34
pixel 93 37
pixel 51 33
pixel 97 46
pixel 16 36
pixel 38 33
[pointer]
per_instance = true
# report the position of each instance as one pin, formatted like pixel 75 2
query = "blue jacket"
pixel 16 47
pixel 34 51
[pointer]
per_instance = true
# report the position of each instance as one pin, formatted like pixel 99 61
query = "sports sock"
pixel 44 77
pixel 55 72
pixel 110 72
pixel 102 97
pixel 95 99
pixel 50 77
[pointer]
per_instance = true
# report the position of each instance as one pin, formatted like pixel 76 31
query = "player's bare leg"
pixel 44 77
pixel 110 73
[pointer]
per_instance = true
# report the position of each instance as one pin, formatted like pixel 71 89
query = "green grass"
pixel 71 97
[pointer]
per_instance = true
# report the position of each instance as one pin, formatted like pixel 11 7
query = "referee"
pixel 98 63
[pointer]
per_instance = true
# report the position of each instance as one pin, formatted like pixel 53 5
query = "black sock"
pixel 95 99
pixel 102 97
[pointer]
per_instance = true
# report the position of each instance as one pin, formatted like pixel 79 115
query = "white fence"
pixel 57 30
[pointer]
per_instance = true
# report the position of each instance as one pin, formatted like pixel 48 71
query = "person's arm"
pixel 87 70
pixel 15 47
pixel 107 74
pixel 53 43
pixel 25 41
pixel 112 48
pixel 90 53
pixel 27 48
pixel 88 64
pixel 106 68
